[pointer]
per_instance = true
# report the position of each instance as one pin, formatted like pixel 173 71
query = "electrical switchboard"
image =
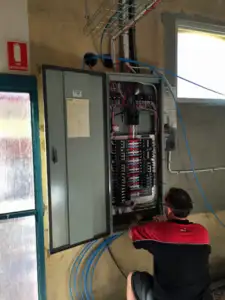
pixel 104 152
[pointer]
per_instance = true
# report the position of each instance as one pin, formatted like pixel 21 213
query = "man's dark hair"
pixel 180 202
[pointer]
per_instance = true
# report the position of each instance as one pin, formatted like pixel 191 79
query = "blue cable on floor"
pixel 107 244
pixel 96 254
pixel 83 286
pixel 75 266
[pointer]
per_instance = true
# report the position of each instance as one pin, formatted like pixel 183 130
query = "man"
pixel 181 255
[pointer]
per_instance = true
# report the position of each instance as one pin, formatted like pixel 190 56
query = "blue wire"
pixel 108 242
pixel 76 265
pixel 88 266
pixel 154 68
pixel 81 282
pixel 72 270
pixel 192 164
pixel 75 270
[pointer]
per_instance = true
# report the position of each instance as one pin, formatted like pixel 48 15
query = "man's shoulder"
pixel 199 226
pixel 178 232
pixel 201 231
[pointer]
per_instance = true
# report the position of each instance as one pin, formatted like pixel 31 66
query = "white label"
pixel 78 120
pixel 77 94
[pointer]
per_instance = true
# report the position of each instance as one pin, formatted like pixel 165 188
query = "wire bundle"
pixel 83 268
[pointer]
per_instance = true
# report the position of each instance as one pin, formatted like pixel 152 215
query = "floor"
pixel 219 293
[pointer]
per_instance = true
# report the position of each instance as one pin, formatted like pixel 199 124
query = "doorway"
pixel 22 272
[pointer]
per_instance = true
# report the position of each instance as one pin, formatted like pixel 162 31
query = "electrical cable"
pixel 148 8
pixel 78 286
pixel 93 259
pixel 75 267
pixel 77 261
pixel 110 22
pixel 157 71
pixel 116 263
pixel 132 36
pixel 192 165
pixel 106 244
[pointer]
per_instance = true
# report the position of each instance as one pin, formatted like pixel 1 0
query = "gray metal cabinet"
pixel 78 166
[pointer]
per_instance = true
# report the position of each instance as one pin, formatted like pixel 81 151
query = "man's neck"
pixel 180 219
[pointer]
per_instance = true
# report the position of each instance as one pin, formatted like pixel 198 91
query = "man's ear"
pixel 169 211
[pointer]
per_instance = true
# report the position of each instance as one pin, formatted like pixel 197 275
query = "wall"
pixel 17 31
pixel 56 36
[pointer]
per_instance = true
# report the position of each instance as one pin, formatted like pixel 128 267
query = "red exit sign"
pixel 17 56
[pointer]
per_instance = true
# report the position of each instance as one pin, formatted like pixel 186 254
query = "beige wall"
pixel 19 31
pixel 56 36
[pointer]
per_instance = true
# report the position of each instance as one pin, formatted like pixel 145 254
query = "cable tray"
pixel 112 16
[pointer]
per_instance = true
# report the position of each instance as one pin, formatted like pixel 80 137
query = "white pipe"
pixel 126 37
pixel 125 34
pixel 133 21
pixel 222 168
pixel 141 68
pixel 113 51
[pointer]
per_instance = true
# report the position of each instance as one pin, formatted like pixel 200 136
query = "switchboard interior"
pixel 135 150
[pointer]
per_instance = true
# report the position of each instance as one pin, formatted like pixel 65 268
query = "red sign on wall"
pixel 17 56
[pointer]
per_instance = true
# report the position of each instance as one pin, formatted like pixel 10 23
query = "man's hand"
pixel 134 223
pixel 160 218
pixel 136 220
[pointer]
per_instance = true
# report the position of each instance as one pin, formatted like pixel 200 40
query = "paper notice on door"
pixel 78 119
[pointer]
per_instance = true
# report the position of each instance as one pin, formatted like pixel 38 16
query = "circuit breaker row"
pixel 133 169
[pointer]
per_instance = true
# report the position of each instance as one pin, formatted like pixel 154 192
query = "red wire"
pixel 113 118
pixel 153 7
pixel 123 100
pixel 146 12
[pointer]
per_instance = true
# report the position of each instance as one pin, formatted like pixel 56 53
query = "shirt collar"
pixel 178 221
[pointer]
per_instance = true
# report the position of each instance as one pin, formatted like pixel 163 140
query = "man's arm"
pixel 141 228
pixel 143 235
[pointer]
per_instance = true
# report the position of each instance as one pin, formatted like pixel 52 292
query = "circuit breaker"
pixel 104 152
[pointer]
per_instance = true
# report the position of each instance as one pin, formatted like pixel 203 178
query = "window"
pixel 20 202
pixel 18 260
pixel 16 157
pixel 200 58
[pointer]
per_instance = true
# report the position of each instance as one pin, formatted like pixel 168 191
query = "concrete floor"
pixel 219 290
pixel 219 294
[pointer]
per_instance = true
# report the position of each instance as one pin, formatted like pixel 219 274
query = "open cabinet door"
pixel 76 115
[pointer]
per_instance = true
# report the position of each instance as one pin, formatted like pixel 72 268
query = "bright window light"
pixel 200 58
